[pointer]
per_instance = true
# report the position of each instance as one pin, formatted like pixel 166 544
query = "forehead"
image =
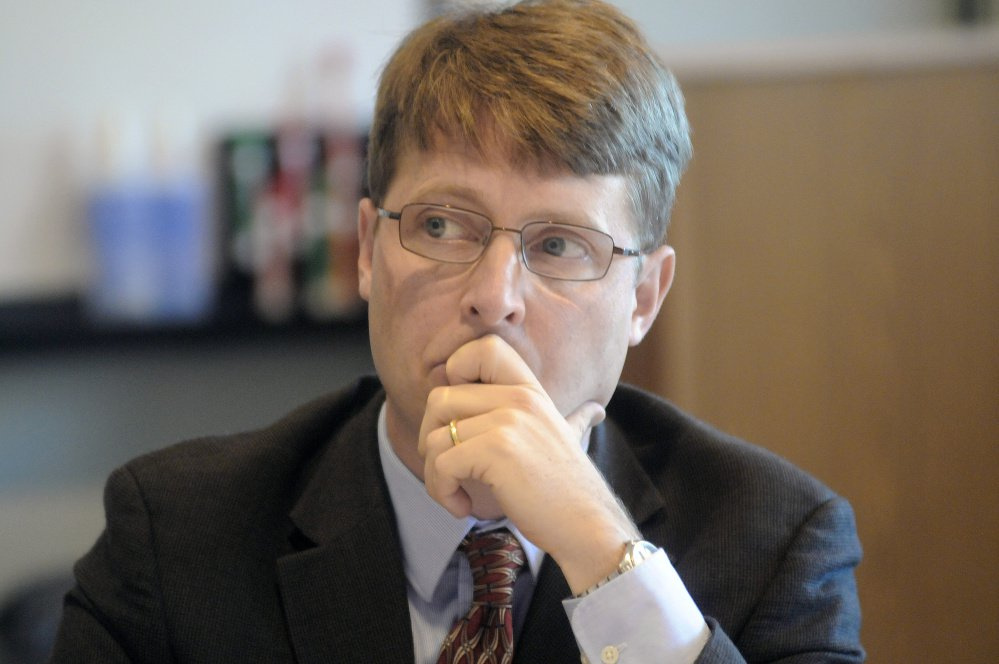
pixel 509 192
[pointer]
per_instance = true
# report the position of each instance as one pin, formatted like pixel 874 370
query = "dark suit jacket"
pixel 280 545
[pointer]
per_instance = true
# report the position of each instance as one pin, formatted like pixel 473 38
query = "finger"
pixel 488 359
pixel 461 402
pixel 435 437
pixel 441 485
pixel 588 415
pixel 466 411
pixel 483 361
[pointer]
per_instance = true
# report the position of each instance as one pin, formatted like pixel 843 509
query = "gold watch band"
pixel 635 553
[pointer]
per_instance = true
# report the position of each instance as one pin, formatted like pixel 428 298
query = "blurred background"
pixel 177 192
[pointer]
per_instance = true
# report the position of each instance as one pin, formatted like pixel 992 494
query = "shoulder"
pixel 707 475
pixel 243 471
pixel 740 523
pixel 295 434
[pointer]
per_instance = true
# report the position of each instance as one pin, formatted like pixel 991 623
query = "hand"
pixel 520 457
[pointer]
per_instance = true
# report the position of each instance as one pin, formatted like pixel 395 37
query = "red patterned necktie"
pixel 485 634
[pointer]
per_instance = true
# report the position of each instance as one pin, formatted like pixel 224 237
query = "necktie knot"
pixel 485 634
pixel 495 558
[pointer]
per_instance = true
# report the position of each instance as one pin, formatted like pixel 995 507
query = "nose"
pixel 494 294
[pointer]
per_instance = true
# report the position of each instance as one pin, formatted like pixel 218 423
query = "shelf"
pixel 64 324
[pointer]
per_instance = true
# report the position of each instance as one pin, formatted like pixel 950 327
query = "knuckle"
pixel 525 400
pixel 506 445
pixel 491 343
pixel 437 397
pixel 508 418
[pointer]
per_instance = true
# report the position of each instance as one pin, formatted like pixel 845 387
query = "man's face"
pixel 573 335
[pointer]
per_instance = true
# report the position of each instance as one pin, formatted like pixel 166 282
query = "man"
pixel 522 169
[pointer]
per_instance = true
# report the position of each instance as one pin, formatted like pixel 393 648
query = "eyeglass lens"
pixel 560 251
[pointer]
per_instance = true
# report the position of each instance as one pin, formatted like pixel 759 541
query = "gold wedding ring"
pixel 453 428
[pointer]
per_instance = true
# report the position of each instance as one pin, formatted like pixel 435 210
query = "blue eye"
pixel 554 246
pixel 435 227
pixel 552 241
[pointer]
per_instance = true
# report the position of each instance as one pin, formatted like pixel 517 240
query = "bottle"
pixel 331 271
pixel 122 286
pixel 148 221
pixel 181 223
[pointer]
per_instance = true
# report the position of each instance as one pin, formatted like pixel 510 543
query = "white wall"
pixel 670 22
pixel 64 65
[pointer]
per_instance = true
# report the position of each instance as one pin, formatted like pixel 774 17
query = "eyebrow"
pixel 469 198
pixel 429 194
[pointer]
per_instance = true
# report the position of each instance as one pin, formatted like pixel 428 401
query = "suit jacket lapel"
pixel 614 457
pixel 343 586
pixel 547 635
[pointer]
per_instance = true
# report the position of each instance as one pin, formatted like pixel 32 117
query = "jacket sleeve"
pixel 114 613
pixel 809 612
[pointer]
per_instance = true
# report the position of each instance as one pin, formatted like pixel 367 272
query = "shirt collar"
pixel 429 534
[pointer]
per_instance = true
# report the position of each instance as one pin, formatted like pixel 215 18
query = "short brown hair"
pixel 557 84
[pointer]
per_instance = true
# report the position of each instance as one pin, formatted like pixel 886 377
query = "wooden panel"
pixel 836 300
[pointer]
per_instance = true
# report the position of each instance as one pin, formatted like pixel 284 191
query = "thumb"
pixel 589 414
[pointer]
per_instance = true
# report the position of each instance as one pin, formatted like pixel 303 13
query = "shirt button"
pixel 609 655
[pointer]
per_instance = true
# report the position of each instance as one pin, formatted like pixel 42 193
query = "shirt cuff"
pixel 643 615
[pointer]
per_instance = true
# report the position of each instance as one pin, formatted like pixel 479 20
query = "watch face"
pixel 645 550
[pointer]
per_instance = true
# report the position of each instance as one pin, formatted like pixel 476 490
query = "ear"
pixel 367 223
pixel 654 281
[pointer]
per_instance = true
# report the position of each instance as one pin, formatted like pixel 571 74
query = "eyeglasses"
pixel 559 251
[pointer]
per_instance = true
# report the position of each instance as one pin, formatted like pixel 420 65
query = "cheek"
pixel 608 311
pixel 409 303
pixel 585 347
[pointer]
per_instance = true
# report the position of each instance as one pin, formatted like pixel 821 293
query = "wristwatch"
pixel 635 553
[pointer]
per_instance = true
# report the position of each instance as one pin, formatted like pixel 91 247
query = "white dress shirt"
pixel 643 615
